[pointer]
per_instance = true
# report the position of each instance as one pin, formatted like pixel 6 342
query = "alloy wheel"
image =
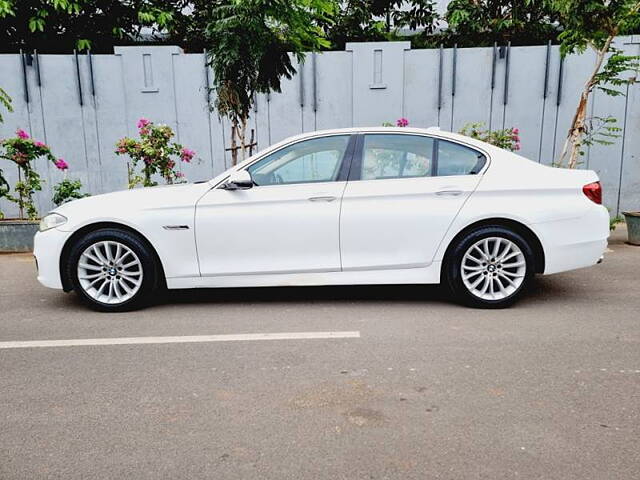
pixel 493 268
pixel 110 272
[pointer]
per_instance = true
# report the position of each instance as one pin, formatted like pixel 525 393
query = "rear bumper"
pixel 574 243
pixel 47 247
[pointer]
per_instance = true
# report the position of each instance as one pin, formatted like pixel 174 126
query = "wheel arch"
pixel 92 227
pixel 518 227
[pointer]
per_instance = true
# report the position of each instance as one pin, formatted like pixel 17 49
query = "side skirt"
pixel 426 275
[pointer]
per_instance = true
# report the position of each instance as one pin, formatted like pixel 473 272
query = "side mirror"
pixel 238 180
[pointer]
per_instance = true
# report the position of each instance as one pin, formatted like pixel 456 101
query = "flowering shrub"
pixel 155 152
pixel 401 122
pixel 23 150
pixel 508 138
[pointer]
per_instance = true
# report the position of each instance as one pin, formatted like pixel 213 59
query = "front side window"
pixel 396 156
pixel 456 159
pixel 309 161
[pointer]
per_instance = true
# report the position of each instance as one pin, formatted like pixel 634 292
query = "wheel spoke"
pixel 88 266
pixel 474 268
pixel 485 248
pixel 473 259
pixel 117 258
pixel 509 257
pixel 96 250
pixel 503 276
pixel 512 274
pixel 496 247
pixel 513 265
pixel 90 276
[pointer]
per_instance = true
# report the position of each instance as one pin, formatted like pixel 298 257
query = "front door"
pixel 403 193
pixel 288 222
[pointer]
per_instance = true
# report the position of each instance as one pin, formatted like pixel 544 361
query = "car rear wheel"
pixel 113 270
pixel 490 267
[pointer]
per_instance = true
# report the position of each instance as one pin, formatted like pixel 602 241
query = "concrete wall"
pixel 367 84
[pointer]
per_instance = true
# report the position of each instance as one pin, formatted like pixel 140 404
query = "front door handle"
pixel 322 198
pixel 449 193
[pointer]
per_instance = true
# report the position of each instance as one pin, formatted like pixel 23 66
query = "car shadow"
pixel 342 293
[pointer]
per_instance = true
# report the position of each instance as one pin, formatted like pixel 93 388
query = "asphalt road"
pixel 547 389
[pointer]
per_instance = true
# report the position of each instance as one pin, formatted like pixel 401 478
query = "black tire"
pixel 151 278
pixel 453 265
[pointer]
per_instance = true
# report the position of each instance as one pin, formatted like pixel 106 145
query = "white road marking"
pixel 83 342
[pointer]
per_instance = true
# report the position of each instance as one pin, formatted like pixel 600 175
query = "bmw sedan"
pixel 339 207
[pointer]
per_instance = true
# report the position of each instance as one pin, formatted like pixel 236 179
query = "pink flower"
pixel 143 122
pixel 40 145
pixel 402 122
pixel 22 134
pixel 61 164
pixel 516 146
pixel 187 155
pixel 515 131
pixel 179 174
pixel 516 138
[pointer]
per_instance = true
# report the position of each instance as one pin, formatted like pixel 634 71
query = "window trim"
pixel 355 173
pixel 343 172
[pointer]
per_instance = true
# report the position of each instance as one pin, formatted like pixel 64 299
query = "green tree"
pixel 252 44
pixel 380 20
pixel 483 22
pixel 61 25
pixel 594 24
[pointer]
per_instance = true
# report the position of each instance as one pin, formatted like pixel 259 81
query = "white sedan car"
pixel 339 207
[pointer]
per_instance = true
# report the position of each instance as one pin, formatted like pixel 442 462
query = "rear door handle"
pixel 449 193
pixel 322 198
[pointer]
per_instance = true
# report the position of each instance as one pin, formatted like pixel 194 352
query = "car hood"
pixel 126 204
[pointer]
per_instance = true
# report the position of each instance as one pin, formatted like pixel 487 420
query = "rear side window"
pixel 456 159
pixel 396 156
pixel 386 156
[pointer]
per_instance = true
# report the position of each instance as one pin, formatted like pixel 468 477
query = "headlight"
pixel 51 221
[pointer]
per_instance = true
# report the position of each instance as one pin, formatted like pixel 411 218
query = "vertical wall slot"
pixel 377 70
pixel 147 70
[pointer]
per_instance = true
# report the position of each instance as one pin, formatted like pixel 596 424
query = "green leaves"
pixel 5 101
pixel 590 23
pixel 67 190
pixel 508 138
pixel 53 26
pixel 249 44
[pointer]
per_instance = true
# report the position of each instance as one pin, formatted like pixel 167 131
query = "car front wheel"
pixel 490 267
pixel 112 270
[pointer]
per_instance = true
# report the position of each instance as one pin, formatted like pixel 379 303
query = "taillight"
pixel 593 191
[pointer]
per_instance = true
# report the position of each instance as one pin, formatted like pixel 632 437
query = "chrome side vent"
pixel 176 227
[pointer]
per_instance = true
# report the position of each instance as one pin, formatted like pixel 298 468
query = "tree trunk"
pixel 242 134
pixel 234 144
pixel 238 139
pixel 571 148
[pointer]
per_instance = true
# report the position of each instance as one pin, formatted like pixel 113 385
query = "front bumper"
pixel 47 248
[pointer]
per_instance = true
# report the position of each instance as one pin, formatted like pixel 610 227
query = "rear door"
pixel 404 191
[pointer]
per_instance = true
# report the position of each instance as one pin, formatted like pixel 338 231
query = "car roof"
pixel 432 131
